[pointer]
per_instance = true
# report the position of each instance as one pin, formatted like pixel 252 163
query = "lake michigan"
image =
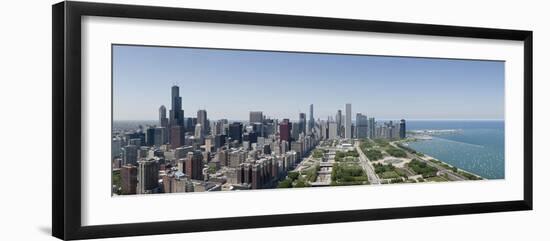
pixel 477 146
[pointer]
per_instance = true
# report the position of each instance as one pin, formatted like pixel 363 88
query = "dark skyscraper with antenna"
pixel 176 113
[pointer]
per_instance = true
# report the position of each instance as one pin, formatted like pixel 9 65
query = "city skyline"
pixel 202 142
pixel 276 80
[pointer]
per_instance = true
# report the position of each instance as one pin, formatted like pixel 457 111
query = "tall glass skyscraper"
pixel 361 125
pixel 372 128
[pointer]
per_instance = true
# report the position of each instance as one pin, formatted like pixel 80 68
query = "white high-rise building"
pixel 198 131
pixel 348 122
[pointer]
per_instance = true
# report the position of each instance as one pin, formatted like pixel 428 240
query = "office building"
pixel 302 123
pixel 199 131
pixel 402 129
pixel 160 136
pixel 175 182
pixel 128 176
pixel 256 117
pixel 361 126
pixel 219 140
pixel 177 137
pixel 150 136
pixel 116 147
pixel 323 129
pixel 148 176
pixel 163 121
pixel 348 122
pixel 190 123
pixel 135 141
pixel 332 130
pixel 181 152
pixel 218 128
pixel 202 119
pixel 193 165
pixel 298 147
pixel 284 130
pixel 236 131
pixel 372 128
pixel 251 137
pixel 130 153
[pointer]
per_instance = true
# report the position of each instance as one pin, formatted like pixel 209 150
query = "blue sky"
pixel 230 83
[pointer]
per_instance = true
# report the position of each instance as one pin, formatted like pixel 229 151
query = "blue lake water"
pixel 478 147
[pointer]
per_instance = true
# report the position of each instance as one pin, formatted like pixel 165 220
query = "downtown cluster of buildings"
pixel 341 126
pixel 193 154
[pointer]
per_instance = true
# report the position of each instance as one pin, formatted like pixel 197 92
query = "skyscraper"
pixel 116 147
pixel 311 119
pixel 284 130
pixel 193 165
pixel 163 121
pixel 150 136
pixel 128 174
pixel 402 129
pixel 199 131
pixel 348 121
pixel 176 129
pixel 148 175
pixel 372 128
pixel 176 113
pixel 361 125
pixel 160 137
pixel 302 123
pixel 332 128
pixel 177 137
pixel 256 117
pixel 323 129
pixel 339 123
pixel 202 119
pixel 218 128
pixel 130 154
pixel 190 123
pixel 236 131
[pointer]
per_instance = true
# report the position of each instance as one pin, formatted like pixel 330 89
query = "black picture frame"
pixel 66 76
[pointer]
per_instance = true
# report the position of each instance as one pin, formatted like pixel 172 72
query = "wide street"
pixel 367 166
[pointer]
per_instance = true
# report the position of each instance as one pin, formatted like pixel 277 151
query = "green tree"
pixel 293 175
pixel 285 184
pixel 300 183
pixel 396 152
pixel 374 155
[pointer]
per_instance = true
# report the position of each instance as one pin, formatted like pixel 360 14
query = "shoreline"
pixel 428 158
